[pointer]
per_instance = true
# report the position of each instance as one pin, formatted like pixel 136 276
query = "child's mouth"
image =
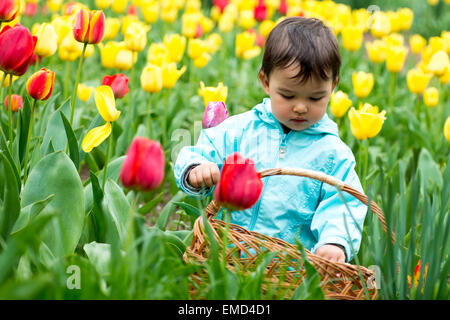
pixel 298 120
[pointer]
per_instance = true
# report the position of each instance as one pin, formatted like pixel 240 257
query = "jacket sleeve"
pixel 205 150
pixel 331 216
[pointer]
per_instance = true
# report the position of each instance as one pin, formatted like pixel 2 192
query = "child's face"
pixel 297 105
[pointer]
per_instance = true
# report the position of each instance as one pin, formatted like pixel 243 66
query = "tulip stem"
pixel 164 120
pixel 30 129
pixel 149 109
pixel 393 78
pixel 77 80
pixel 105 167
pixel 66 78
pixel 10 113
pixel 366 161
pixel 418 103
pixel 1 88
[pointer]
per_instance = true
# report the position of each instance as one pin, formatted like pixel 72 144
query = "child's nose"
pixel 300 107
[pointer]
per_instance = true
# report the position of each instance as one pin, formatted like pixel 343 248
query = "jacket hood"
pixel 324 126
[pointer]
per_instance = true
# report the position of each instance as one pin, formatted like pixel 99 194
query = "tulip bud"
pixel 209 94
pixel 89 26
pixel 150 11
pixel 151 79
pixel 395 58
pixel 9 10
pixel 431 97
pixel 417 43
pixel 47 42
pixel 143 167
pixel 17 49
pixel 170 74
pixel 176 45
pixel 84 92
pixel 362 83
pixel 439 63
pixel 240 185
pixel 376 51
pixel 136 36
pixel 417 80
pixel 106 104
pixel 16 102
pixel 339 103
pixel 118 84
pixel 352 37
pixel 40 84
pixel 215 113
pixel 95 137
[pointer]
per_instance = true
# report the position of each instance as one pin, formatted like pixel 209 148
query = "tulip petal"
pixel 95 137
pixel 106 104
pixel 81 25
pixel 96 27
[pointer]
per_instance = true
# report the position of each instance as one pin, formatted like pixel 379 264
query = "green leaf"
pixel 4 147
pixel 99 254
pixel 117 206
pixel 429 170
pixel 151 204
pixel 163 218
pixel 189 209
pixel 73 144
pixel 24 124
pixel 56 174
pixel 11 201
pixel 55 128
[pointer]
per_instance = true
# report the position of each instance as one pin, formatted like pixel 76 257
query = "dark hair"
pixel 306 41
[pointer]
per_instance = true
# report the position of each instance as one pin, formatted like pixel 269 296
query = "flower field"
pixel 98 97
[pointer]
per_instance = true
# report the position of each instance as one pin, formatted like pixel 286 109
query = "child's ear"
pixel 264 81
pixel 334 84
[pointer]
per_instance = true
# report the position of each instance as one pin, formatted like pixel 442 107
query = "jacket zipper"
pixel 281 154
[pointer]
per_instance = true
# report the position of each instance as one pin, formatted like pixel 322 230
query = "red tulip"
pixel 30 9
pixel 17 48
pixel 118 84
pixel 260 11
pixel 89 26
pixel 9 10
pixel 40 84
pixel 240 185
pixel 143 168
pixel 132 10
pixel 283 7
pixel 16 102
pixel 221 4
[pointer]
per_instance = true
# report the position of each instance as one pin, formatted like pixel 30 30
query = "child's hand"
pixel 207 174
pixel 331 252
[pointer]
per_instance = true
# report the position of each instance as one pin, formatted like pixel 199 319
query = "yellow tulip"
pixel 95 137
pixel 406 17
pixel 176 45
pixel 339 103
pixel 445 35
pixel 157 54
pixel 103 4
pixel 171 74
pixel 366 122
pixel 108 53
pixel 207 24
pixel 62 28
pixel 361 17
pixel 394 39
pixel 136 36
pixel 6 79
pixel 126 21
pixel 362 83
pixel 433 2
pixel 213 41
pixel 246 19
pixel 192 6
pixel 394 20
pixel 352 37
pixel 196 48
pixel 447 129
pixel 169 13
pixel 112 27
pixel 70 49
pixel 215 13
pixel 84 92
pixel 245 46
pixel 436 44
pixel 395 58
pixel 417 80
pixel 431 97
pixel 47 42
pixel 106 104
pixel 445 78
pixel 151 78
pixel 376 50
pixel 189 24
pixel 202 60
pixel 381 25
pixel 417 43
pixel 265 27
pixel 150 11
pixel 125 59
pixel 226 23
pixel 119 6
pixel 439 63
pixel 209 94
pixel 54 5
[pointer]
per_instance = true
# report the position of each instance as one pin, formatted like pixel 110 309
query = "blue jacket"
pixel 289 206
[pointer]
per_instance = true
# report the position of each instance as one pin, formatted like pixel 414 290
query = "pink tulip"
pixel 240 185
pixel 215 113
pixel 143 168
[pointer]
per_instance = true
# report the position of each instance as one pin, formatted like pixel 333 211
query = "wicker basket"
pixel 285 271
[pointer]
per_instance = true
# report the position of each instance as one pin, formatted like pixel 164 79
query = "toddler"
pixel 299 71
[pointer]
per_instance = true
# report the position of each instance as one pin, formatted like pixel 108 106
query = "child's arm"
pixel 193 162
pixel 328 224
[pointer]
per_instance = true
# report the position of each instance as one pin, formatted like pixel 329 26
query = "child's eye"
pixel 286 97
pixel 315 99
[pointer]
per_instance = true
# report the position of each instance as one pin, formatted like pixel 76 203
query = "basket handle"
pixel 214 207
